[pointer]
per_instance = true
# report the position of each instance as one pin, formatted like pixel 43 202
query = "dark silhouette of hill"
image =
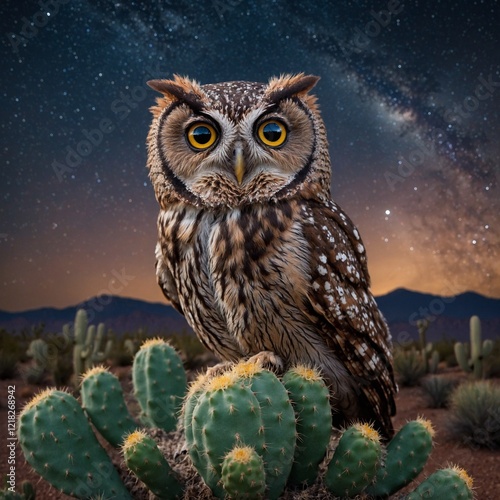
pixel 402 308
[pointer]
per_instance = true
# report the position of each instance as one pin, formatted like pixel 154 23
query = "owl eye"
pixel 201 136
pixel 272 133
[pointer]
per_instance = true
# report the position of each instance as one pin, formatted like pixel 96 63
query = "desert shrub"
pixel 120 355
pixel 438 391
pixel 445 349
pixel 409 367
pixel 475 414
pixel 8 365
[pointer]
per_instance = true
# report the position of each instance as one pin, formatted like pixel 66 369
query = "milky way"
pixel 410 94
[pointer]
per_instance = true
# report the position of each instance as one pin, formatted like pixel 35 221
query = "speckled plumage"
pixel 267 262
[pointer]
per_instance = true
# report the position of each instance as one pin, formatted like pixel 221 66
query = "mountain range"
pixel 448 316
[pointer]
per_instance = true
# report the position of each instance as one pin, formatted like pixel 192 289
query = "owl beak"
pixel 239 164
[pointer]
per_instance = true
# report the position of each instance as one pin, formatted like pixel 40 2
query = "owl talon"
pixel 269 360
pixel 219 369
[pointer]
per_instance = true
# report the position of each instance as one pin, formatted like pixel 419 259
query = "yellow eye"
pixel 272 133
pixel 201 135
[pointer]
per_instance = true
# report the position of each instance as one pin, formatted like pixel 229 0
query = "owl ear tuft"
pixel 287 86
pixel 180 89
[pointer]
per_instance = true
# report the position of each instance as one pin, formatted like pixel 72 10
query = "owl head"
pixel 236 143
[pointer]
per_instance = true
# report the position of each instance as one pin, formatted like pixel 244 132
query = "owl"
pixel 252 250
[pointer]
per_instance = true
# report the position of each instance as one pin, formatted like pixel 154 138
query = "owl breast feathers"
pixel 252 250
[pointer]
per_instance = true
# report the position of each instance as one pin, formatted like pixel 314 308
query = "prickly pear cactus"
pixel 59 444
pixel 103 401
pixel 355 461
pixel 226 414
pixel 278 421
pixel 451 483
pixel 310 400
pixel 407 454
pixel 146 461
pixel 243 474
pixel 159 383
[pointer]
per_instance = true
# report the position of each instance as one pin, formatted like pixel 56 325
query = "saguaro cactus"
pixel 89 349
pixel 478 350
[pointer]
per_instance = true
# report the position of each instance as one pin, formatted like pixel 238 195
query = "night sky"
pixel 410 93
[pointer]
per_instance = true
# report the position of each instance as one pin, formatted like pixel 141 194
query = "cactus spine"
pixel 243 474
pixel 159 383
pixel 407 454
pixel 478 350
pixel 310 400
pixel 453 483
pixel 355 461
pixel 59 444
pixel 146 461
pixel 102 399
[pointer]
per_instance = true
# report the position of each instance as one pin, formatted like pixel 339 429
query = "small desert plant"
pixel 475 414
pixel 409 367
pixel 438 391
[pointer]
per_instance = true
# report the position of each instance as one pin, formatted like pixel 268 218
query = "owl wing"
pixel 348 315
pixel 166 280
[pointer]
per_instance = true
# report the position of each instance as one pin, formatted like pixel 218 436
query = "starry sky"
pixel 410 93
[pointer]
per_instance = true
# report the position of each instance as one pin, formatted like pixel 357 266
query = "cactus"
pixel 100 350
pixel 407 454
pixel 452 482
pixel 145 460
pixel 28 493
pixel 39 351
pixel 159 383
pixel 196 389
pixel 226 414
pixel 243 474
pixel 102 399
pixel 355 461
pixel 478 350
pixel 89 348
pixel 310 400
pixel 278 420
pixel 430 364
pixel 59 444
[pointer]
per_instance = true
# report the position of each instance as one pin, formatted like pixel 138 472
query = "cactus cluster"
pixel 249 435
pixel 478 351
pixel 90 346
